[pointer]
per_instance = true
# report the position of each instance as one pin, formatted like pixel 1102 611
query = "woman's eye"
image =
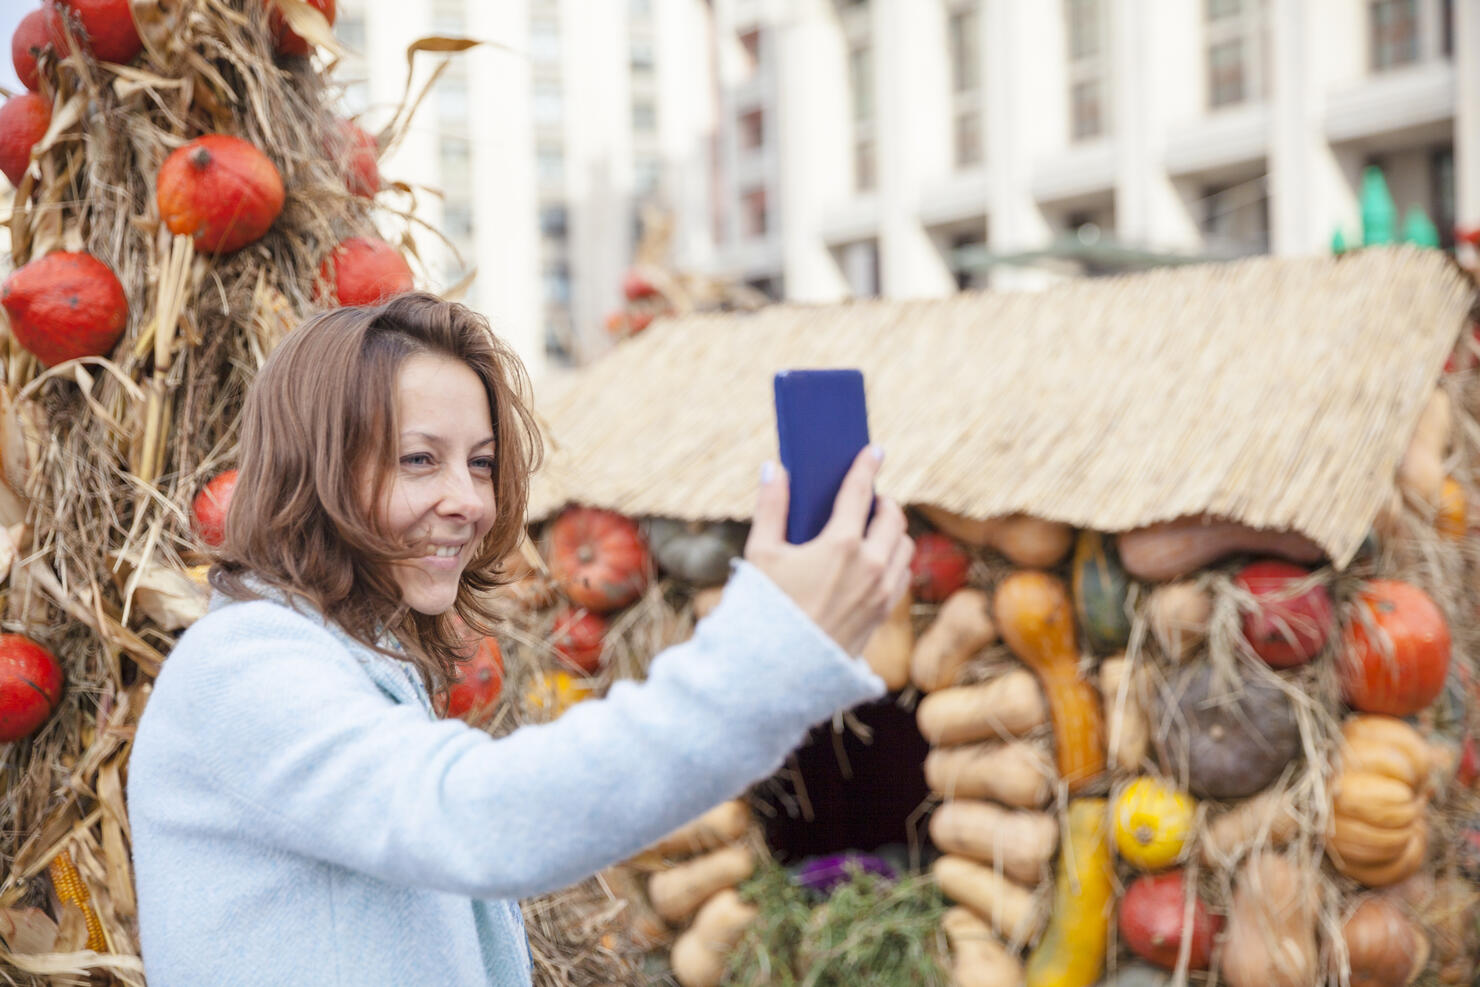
pixel 483 463
pixel 416 459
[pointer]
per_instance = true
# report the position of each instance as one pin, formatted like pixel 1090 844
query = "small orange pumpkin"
pixel 23 122
pixel 221 190
pixel 578 638
pixel 365 270
pixel 1398 666
pixel 598 558
pixel 473 695
pixel 64 306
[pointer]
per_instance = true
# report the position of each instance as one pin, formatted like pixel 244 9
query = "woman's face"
pixel 440 497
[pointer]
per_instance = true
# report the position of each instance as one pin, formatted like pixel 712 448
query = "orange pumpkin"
pixel 1398 666
pixel 284 39
pixel 365 270
pixel 108 26
pixel 210 505
pixel 39 30
pixel 598 558
pixel 64 306
pixel 221 190
pixel 356 152
pixel 23 122
pixel 30 686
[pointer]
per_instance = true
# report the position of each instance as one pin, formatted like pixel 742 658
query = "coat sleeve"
pixel 268 714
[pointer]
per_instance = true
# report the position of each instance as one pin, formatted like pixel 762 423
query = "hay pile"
pixel 103 456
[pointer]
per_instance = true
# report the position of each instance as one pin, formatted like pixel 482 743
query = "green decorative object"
pixel 1338 242
pixel 1419 229
pixel 1379 214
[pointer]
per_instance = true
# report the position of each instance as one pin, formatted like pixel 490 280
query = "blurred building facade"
pixel 826 149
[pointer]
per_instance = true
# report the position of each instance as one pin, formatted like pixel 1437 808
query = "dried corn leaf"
pixel 27 930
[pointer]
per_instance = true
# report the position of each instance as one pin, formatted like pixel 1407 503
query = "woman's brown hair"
pixel 319 418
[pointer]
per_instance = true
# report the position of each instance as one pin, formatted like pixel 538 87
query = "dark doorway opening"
pixel 840 793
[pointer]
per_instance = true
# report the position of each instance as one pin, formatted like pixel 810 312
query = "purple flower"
pixel 825 873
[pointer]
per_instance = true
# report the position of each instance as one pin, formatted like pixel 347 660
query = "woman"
pixel 299 816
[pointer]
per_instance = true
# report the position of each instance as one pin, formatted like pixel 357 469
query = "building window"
pixel 641 8
pixel 557 283
pixel 752 129
pixel 753 209
pixel 1441 199
pixel 1088 76
pixel 548 103
pixel 861 88
pixel 1394 30
pixel 1085 100
pixel 1085 34
pixel 452 100
pixel 550 164
pixel 642 56
pixel 457 220
pixel 1235 218
pixel 544 40
pixel 455 161
pixel 1236 46
pixel 750 45
pixel 647 171
pixel 644 116
pixel 552 220
pixel 968 138
pixel 350 30
pixel 965 48
pixel 1226 73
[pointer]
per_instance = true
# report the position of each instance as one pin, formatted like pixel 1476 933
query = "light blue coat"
pixel 300 817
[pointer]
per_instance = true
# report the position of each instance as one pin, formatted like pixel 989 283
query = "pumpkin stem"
pixel 200 158
pixel 585 554
pixel 1145 834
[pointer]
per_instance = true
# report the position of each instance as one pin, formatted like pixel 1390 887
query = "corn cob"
pixel 70 888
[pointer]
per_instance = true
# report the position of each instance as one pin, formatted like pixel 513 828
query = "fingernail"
pixel 768 471
pixel 878 451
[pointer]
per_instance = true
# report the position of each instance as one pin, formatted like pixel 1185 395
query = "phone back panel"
pixel 822 425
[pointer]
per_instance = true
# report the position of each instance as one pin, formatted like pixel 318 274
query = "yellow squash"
pixel 1153 821
pixel 1072 950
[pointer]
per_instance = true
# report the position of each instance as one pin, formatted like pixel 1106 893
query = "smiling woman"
pixel 290 781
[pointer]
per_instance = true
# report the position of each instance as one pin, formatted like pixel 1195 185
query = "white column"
pixel 598 161
pixel 1310 193
pixel 686 122
pixel 505 221
pixel 1149 40
pixel 1025 118
pixel 813 128
pixel 389 26
pixel 913 96
pixel 1467 113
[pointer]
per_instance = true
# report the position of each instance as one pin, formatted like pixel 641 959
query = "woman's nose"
pixel 460 495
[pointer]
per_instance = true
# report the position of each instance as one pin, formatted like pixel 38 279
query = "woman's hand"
pixel 846 579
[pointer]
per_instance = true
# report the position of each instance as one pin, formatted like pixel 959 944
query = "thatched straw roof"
pixel 1278 392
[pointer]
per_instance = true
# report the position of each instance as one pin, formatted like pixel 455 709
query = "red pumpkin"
pixel 210 506
pixel 64 306
pixel 640 320
pixel 108 26
pixel 39 30
pixel 284 39
pixel 30 686
pixel 938 567
pixel 578 637
pixel 473 695
pixel 356 152
pixel 365 270
pixel 598 558
pixel 1285 628
pixel 1400 666
pixel 1152 914
pixel 23 122
pixel 635 285
pixel 221 190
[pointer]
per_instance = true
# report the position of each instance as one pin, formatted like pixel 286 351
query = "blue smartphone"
pixel 822 425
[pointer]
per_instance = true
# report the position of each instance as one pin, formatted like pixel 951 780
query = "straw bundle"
pixel 1273 391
